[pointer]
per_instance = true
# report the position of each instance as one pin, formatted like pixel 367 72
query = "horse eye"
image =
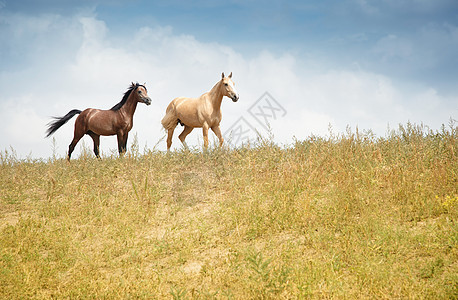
pixel 225 84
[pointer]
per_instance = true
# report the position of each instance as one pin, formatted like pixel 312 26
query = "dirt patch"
pixel 192 267
pixel 9 219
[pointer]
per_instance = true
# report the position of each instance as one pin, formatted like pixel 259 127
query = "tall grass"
pixel 349 215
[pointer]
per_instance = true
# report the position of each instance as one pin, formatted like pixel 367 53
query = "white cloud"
pixel 99 64
pixel 22 123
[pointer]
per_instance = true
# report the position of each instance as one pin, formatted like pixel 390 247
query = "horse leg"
pixel 76 137
pixel 187 130
pixel 169 138
pixel 205 133
pixel 125 143
pixel 122 143
pixel 96 139
pixel 217 131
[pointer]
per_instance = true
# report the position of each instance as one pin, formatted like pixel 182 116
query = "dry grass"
pixel 346 216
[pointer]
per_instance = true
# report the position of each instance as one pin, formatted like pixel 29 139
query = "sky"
pixel 301 68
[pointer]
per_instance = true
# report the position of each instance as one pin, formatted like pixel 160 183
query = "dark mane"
pixel 132 88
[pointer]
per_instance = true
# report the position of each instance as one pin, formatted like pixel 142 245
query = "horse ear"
pixel 230 75
pixel 222 76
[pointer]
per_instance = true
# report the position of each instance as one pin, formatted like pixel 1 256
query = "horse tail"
pixel 58 122
pixel 170 119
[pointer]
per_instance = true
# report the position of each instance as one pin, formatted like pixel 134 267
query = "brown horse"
pixel 96 122
pixel 204 111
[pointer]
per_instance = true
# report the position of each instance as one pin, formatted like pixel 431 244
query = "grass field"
pixel 346 216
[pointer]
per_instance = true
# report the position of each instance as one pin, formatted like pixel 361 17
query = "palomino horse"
pixel 204 112
pixel 96 122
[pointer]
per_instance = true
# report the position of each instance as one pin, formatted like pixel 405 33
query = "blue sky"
pixel 358 63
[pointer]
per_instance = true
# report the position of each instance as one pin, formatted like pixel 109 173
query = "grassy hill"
pixel 346 216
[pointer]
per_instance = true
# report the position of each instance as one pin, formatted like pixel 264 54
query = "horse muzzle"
pixel 235 98
pixel 147 100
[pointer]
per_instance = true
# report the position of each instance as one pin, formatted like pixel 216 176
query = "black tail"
pixel 58 122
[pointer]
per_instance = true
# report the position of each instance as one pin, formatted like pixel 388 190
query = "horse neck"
pixel 216 95
pixel 130 106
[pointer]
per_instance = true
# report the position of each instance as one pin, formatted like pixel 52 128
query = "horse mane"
pixel 131 88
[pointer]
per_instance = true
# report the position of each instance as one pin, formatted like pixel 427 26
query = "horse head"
pixel 141 93
pixel 228 88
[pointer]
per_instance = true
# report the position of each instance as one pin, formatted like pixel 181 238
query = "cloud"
pixel 393 47
pixel 401 7
pixel 22 122
pixel 422 47
pixel 79 62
